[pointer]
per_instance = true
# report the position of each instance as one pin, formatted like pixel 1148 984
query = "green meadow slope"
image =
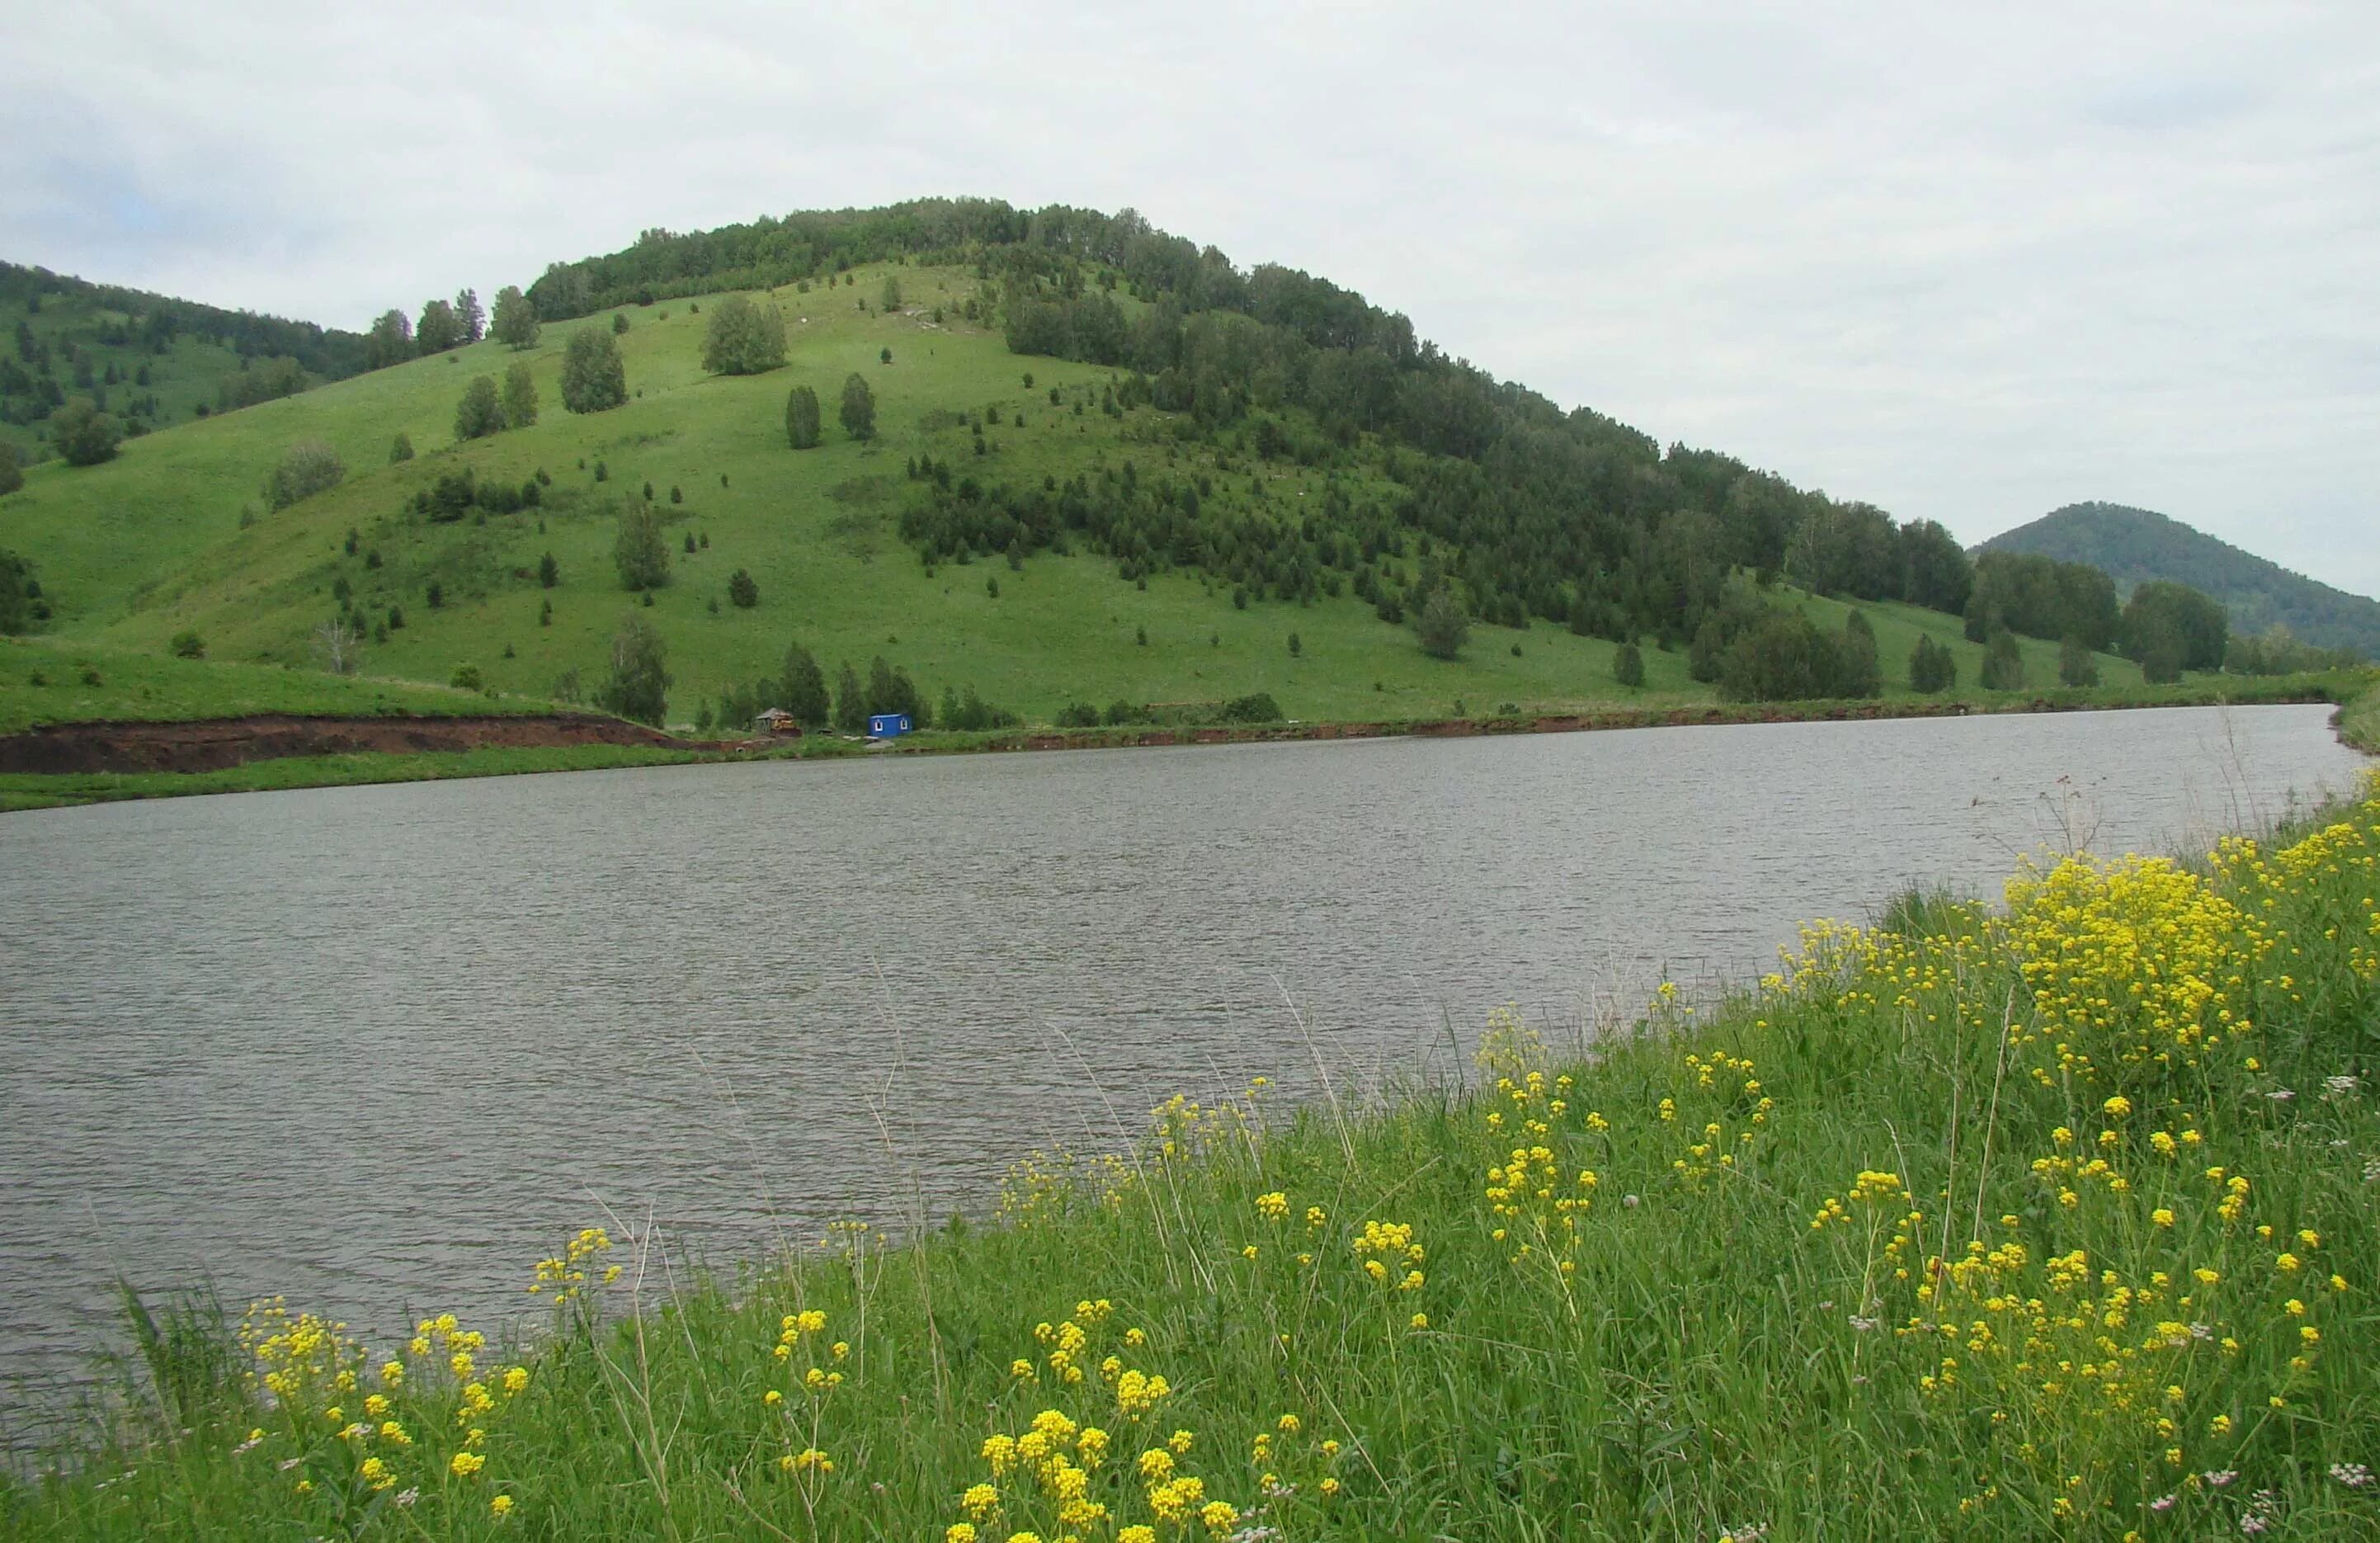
pixel 150 360
pixel 173 535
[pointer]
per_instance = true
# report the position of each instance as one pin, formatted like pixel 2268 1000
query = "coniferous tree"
pixel 549 572
pixel 2003 663
pixel 802 418
pixel 802 688
pixel 481 411
pixel 2075 664
pixel 12 474
pixel 1932 666
pixel 850 702
pixel 469 317
pixel 1859 674
pixel 858 414
pixel 400 448
pixel 1628 666
pixel 743 591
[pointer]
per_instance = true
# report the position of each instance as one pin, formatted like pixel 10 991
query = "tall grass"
pixel 2054 1220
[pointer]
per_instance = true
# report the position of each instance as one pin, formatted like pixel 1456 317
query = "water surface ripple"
pixel 377 1048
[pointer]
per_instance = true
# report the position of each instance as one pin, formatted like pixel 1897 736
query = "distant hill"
pixel 2138 544
pixel 150 360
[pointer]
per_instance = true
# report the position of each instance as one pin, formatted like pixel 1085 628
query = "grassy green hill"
pixel 2135 545
pixel 173 535
pixel 150 360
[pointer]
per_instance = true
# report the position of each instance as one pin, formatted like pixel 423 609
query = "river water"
pixel 382 1048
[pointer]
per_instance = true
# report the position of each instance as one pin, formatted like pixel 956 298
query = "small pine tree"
pixel 2075 664
pixel 481 411
pixel 858 414
pixel 743 591
pixel 802 418
pixel 1628 666
pixel 2003 665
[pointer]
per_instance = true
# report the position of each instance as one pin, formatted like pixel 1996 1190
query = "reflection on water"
pixel 380 1048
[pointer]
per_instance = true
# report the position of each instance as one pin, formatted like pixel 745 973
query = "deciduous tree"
pixel 637 688
pixel 85 435
pixel 520 396
pixel 515 323
pixel 741 338
pixel 638 551
pixel 593 379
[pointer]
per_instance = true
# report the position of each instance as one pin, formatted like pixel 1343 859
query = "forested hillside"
pixel 1059 456
pixel 2137 545
pixel 146 360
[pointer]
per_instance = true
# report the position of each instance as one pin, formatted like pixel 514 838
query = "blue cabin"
pixel 885 725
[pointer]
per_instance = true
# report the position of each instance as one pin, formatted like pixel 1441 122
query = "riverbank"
pixel 1917 1237
pixel 107 762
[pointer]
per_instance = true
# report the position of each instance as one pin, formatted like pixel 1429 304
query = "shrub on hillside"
pixel 306 469
pixel 741 338
pixel 1442 626
pixel 1256 707
pixel 638 550
pixel 1628 666
pixel 22 606
pixel 742 590
pixel 84 435
pixel 12 473
pixel 188 644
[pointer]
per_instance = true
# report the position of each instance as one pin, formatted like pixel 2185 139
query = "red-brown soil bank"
pixel 211 744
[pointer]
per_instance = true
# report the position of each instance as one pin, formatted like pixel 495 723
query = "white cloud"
pixel 1966 266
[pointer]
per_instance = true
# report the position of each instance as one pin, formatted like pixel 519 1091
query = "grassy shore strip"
pixel 2053 1220
pixel 29 791
pixel 2359 721
pixel 44 682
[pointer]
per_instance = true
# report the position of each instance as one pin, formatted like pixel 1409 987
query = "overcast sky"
pixel 1971 268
